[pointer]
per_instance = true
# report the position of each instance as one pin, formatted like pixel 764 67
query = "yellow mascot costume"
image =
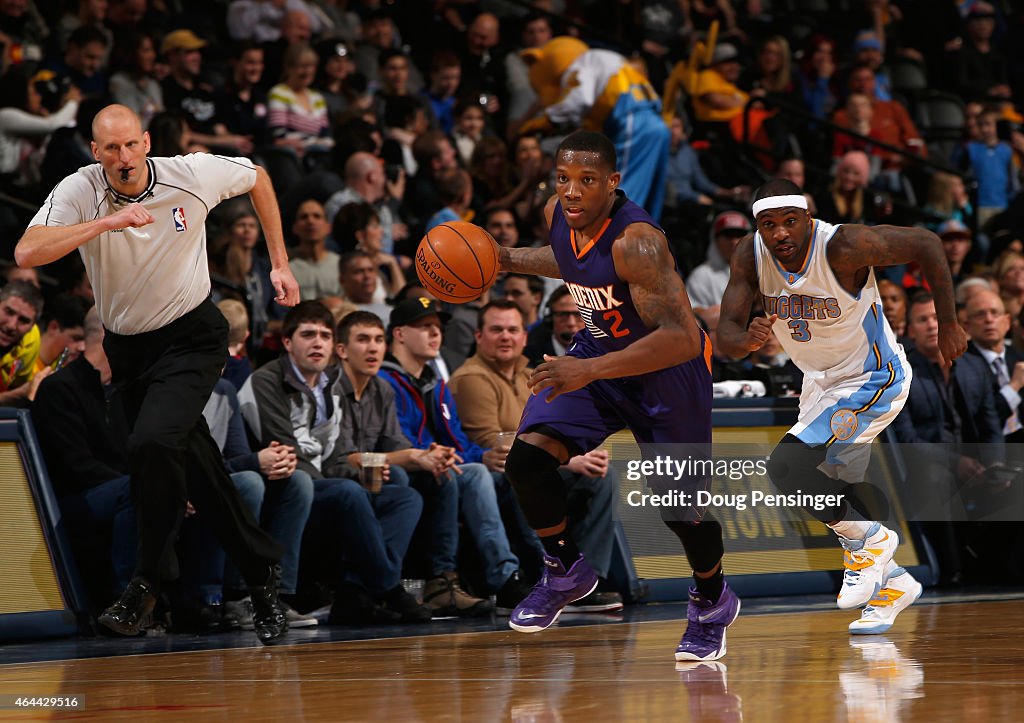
pixel 599 90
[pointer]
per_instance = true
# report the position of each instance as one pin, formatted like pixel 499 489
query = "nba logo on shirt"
pixel 178 214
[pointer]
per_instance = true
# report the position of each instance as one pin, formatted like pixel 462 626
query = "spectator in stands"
pixel 858 115
pixel 531 162
pixel 717 98
pixel 380 34
pixel 242 104
pixel 491 389
pixel 366 182
pixel 237 368
pixel 13 272
pixel 817 76
pixel 186 93
pixel 429 416
pixel 25 125
pixel 298 113
pixel 23 28
pixel 62 337
pixel 445 78
pixel 314 266
pixel 435 154
pixel 521 96
pixel 948 199
pixel 554 335
pixel 84 443
pixel 991 162
pixel 869 50
pixel 483 68
pixel 405 119
pixel 793 170
pixel 950 428
pixel 894 306
pixel 980 68
pixel 357 226
pixel 494 183
pixel 527 292
pixel 360 282
pixel 134 82
pixel 169 135
pixel 889 120
pixel 772 71
pixel 83 64
pixel 277 493
pixel 393 74
pixel 264 22
pixel 296 30
pixel 988 324
pixel 469 127
pixel 21 304
pixel 336 65
pixel 956 242
pixel 501 224
pixel 687 182
pixel 238 264
pixel 89 13
pixel 1010 272
pixel 847 199
pixel 353 538
pixel 455 191
pixel 706 284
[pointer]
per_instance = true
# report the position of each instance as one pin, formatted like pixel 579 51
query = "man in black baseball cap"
pixel 415 308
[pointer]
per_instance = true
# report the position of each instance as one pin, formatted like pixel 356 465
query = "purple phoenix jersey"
pixel 667 406
pixel 603 298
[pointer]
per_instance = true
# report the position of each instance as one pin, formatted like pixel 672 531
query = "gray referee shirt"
pixel 145 278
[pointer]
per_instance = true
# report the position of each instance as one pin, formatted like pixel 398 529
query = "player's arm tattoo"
pixel 862 246
pixel 739 297
pixel 540 261
pixel 642 258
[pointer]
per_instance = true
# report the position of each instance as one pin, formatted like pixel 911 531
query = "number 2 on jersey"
pixel 799 330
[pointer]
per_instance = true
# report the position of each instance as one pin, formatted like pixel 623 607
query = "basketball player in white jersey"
pixel 817 284
pixel 140 226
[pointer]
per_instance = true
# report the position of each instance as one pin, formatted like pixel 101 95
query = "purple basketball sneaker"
pixel 704 638
pixel 556 589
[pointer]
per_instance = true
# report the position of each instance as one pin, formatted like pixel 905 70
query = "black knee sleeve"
pixel 539 488
pixel 702 542
pixel 793 467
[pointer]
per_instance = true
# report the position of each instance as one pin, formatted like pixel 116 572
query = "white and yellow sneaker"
pixel 865 562
pixel 898 592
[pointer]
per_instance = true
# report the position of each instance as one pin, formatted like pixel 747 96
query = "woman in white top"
pixel 25 125
pixel 133 84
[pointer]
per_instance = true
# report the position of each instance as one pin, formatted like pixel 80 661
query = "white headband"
pixel 770 202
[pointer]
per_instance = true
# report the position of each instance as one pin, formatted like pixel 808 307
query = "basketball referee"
pixel 139 224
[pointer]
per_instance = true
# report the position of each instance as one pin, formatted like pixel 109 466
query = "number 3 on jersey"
pixel 799 330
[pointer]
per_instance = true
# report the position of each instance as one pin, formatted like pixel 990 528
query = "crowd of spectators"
pixel 377 121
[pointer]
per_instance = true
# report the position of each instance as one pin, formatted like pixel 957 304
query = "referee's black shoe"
pixel 133 611
pixel 268 617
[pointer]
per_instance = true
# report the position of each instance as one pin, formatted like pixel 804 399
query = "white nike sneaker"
pixel 899 591
pixel 865 562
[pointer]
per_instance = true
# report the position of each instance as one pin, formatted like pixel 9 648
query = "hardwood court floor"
pixel 950 662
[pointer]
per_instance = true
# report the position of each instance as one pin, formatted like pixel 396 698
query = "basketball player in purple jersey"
pixel 641 363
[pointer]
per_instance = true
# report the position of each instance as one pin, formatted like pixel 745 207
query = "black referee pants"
pixel 163 378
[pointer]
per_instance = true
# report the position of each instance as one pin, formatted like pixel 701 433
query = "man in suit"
pixel 951 419
pixel 987 323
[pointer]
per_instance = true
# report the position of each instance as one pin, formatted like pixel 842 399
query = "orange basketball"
pixel 457 261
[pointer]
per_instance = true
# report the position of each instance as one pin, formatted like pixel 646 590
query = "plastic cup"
pixel 371 473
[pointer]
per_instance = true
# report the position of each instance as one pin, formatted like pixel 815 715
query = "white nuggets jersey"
pixel 145 278
pixel 856 376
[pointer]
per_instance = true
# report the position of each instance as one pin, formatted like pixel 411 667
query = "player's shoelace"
pixel 542 596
